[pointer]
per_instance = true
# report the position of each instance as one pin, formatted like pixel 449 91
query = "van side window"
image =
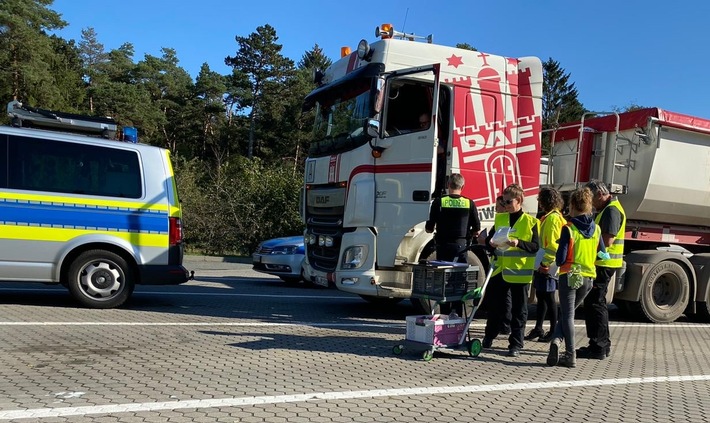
pixel 3 161
pixel 67 167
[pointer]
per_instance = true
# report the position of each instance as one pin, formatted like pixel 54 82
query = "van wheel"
pixel 100 279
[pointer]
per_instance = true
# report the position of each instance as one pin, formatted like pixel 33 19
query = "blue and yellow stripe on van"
pixel 34 217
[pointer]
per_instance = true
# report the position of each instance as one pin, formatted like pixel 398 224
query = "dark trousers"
pixel 596 313
pixel 449 252
pixel 499 291
pixel 545 302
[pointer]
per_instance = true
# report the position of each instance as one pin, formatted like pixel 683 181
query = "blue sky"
pixel 651 53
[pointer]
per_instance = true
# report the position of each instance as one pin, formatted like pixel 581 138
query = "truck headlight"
pixel 354 257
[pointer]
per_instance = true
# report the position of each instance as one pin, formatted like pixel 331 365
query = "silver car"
pixel 282 257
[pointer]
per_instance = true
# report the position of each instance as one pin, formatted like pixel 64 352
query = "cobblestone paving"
pixel 237 346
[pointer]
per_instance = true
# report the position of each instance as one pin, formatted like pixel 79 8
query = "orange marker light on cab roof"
pixel 386 30
pixel 345 51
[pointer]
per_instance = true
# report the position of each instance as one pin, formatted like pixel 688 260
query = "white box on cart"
pixel 435 329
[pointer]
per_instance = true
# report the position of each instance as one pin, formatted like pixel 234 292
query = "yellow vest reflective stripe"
pixel 550 226
pixel 455 203
pixel 515 264
pixel 616 251
pixel 583 251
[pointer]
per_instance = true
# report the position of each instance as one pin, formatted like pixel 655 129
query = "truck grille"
pixel 325 221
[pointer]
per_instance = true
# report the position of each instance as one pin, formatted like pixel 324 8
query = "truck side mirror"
pixel 373 128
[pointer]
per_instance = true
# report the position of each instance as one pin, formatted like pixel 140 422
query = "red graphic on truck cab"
pixel 496 136
pixel 455 60
pixel 333 170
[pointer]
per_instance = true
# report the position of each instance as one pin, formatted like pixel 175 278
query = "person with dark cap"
pixel 456 221
pixel 612 222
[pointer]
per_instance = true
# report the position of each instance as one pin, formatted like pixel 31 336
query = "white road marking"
pixel 39 413
pixel 197 294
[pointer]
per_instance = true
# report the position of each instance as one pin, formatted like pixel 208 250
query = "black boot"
pixel 533 334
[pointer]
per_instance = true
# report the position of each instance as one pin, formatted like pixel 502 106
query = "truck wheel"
pixel 701 263
pixel 100 279
pixel 665 289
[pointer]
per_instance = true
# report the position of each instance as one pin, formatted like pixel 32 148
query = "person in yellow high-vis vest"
pixel 612 222
pixel 550 203
pixel 578 245
pixel 513 273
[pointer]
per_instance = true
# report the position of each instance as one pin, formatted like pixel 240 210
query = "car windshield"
pixel 341 117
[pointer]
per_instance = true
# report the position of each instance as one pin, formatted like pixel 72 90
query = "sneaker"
pixel 568 360
pixel 546 337
pixel 535 333
pixel 587 352
pixel 513 352
pixel 487 342
pixel 553 357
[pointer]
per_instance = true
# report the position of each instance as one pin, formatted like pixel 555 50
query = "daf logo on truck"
pixel 322 199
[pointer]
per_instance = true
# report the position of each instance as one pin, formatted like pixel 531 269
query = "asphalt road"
pixel 237 346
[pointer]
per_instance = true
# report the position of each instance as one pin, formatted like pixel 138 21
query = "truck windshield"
pixel 341 117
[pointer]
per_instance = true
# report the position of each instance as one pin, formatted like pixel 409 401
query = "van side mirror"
pixel 373 128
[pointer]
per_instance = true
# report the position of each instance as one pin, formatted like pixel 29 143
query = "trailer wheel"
pixel 100 279
pixel 665 289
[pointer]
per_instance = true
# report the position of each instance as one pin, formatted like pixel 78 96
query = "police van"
pixel 96 215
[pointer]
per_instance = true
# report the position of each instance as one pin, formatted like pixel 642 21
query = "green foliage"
pixel 560 103
pixel 628 108
pixel 466 46
pixel 27 53
pixel 247 202
pixel 314 59
pixel 259 58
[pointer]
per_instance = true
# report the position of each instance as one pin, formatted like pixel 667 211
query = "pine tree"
pixel 560 101
pixel 259 58
pixel 314 59
pixel 93 56
pixel 27 52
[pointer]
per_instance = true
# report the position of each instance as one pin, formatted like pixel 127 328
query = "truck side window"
pixel 406 102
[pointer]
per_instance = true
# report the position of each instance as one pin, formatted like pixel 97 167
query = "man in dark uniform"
pixel 456 221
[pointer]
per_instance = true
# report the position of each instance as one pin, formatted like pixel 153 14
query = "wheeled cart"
pixel 444 282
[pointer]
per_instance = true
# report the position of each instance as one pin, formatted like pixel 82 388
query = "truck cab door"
pixel 405 170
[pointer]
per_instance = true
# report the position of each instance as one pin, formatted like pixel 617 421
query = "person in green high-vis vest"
pixel 611 219
pixel 579 242
pixel 513 271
